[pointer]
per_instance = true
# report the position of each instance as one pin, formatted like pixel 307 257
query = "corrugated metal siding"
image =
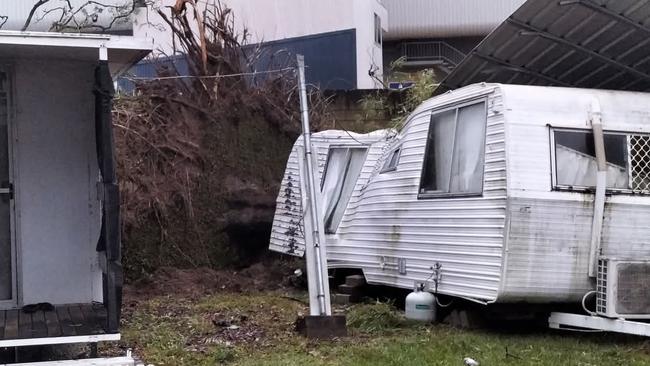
pixel 549 237
pixel 287 233
pixel 445 18
pixel 386 222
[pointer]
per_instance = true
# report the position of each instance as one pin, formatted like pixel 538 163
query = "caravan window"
pixel 341 173
pixel 391 163
pixel 454 158
pixel 627 155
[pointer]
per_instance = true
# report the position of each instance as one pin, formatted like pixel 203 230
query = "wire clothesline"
pixel 157 78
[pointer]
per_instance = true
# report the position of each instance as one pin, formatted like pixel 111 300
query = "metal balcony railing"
pixel 434 51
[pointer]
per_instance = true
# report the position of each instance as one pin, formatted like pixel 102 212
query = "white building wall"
pixel 412 19
pixel 17 12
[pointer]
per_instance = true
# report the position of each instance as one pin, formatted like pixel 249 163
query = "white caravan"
pixel 495 194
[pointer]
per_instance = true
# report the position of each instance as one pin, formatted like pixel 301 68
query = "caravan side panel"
pixel 550 231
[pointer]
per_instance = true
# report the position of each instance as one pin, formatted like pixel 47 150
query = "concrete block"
pixel 322 327
pixel 355 280
pixel 349 290
pixel 345 299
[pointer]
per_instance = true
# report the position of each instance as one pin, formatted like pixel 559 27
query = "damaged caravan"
pixel 60 260
pixel 492 193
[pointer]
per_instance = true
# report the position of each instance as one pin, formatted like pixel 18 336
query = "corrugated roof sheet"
pixel 414 19
pixel 602 44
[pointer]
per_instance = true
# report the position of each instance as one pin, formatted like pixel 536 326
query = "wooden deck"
pixel 64 321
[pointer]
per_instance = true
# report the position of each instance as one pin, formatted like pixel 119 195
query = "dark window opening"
pixel 454 158
pixel 391 163
pixel 378 31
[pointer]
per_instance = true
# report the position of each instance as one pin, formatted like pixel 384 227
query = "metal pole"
pixel 311 183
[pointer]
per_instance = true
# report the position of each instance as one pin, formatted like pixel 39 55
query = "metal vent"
pixel 601 287
pixel 640 159
pixel 633 295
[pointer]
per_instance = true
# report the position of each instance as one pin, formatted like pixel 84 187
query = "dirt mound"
pixel 200 281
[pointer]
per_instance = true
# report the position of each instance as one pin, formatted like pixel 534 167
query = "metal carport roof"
pixel 603 44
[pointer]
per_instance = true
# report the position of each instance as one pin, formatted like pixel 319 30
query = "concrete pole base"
pixel 322 327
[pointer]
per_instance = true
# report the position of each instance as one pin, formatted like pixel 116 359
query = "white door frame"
pixel 15 296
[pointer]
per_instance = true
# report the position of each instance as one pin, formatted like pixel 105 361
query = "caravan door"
pixel 7 255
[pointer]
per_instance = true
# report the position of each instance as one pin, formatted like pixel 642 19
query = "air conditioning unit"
pixel 623 288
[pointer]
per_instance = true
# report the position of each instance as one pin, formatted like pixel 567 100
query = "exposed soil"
pixel 264 276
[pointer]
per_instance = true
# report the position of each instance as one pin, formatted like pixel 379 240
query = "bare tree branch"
pixel 31 13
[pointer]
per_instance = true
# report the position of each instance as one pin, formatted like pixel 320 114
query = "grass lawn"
pixel 257 329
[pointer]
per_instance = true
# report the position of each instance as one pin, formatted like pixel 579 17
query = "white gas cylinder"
pixel 421 305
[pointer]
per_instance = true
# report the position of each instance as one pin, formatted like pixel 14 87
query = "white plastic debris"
pixel 470 362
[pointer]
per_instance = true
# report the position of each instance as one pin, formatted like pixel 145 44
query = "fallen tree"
pixel 201 155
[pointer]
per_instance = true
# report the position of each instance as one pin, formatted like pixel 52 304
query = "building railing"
pixel 433 51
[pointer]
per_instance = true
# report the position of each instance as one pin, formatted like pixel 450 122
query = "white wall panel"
pixel 56 172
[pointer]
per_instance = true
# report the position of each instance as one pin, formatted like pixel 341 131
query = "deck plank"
pixel 92 319
pixel 80 324
pixel 67 327
pixel 2 323
pixel 52 323
pixel 11 324
pixel 64 320
pixel 39 329
pixel 24 325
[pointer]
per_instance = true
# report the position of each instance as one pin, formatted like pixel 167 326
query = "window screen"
pixel 454 158
pixel 341 173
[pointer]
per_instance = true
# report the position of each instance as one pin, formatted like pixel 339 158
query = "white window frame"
pixel 555 186
pixel 433 194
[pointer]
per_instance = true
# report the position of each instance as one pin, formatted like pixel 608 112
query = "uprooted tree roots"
pixel 201 157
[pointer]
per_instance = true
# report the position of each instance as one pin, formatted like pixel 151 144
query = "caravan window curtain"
pixel 454 158
pixel 339 179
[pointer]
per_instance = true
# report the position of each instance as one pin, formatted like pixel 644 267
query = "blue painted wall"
pixel 151 69
pixel 330 59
